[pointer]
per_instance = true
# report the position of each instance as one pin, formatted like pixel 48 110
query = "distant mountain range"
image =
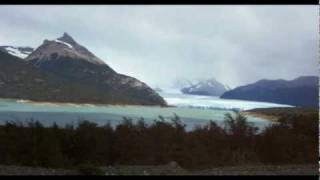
pixel 65 71
pixel 208 87
pixel 302 91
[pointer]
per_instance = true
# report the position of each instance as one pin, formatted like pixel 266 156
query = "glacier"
pixel 175 98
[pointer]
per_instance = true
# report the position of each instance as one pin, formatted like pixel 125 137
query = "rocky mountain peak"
pixel 64 47
pixel 67 38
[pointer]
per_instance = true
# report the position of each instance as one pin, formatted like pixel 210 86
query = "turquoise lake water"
pixel 188 108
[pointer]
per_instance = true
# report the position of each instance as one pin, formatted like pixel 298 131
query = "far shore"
pixel 274 114
pixel 78 103
pixel 261 115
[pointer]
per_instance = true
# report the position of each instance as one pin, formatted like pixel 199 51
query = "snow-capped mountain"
pixel 183 82
pixel 209 87
pixel 67 59
pixel 20 52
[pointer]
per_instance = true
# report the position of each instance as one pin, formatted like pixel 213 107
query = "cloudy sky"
pixel 159 44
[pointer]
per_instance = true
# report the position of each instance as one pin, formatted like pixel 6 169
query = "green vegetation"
pixel 294 140
pixel 87 169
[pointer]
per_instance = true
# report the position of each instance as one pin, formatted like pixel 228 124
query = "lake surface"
pixel 193 111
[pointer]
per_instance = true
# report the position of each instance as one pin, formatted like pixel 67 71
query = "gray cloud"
pixel 157 44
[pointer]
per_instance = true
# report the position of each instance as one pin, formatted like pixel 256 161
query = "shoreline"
pixel 261 115
pixel 77 103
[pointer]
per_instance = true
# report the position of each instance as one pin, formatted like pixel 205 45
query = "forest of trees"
pixel 294 140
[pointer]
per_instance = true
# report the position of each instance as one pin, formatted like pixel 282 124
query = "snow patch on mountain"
pixel 20 52
pixel 62 42
pixel 16 52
